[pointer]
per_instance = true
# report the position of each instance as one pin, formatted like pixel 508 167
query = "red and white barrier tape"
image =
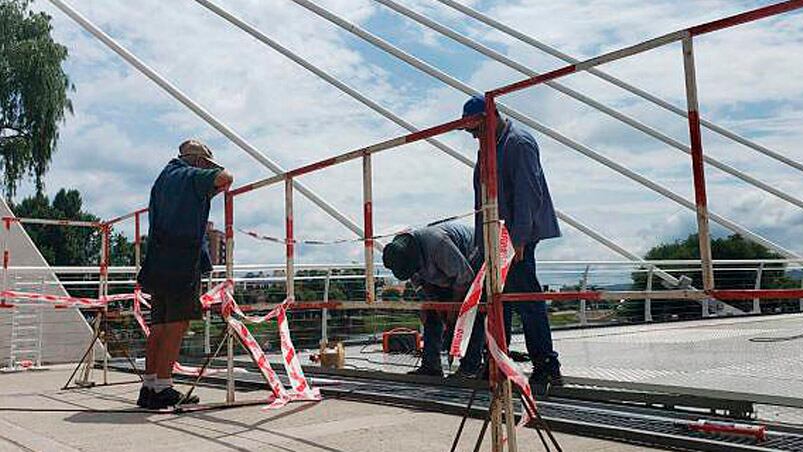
pixel 69 301
pixel 177 367
pixel 512 371
pixel 301 390
pixel 468 310
pixel 396 232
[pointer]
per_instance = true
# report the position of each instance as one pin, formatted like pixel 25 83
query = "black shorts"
pixel 173 307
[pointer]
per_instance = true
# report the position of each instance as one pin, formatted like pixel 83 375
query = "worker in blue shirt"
pixel 437 261
pixel 176 257
pixel 526 207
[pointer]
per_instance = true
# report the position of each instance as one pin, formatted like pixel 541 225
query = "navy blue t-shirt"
pixel 178 211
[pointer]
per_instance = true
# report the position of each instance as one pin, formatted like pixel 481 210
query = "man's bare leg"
pixel 170 347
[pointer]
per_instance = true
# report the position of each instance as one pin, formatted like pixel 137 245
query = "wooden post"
pixel 500 386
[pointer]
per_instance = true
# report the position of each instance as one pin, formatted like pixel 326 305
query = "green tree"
pixel 68 245
pixel 33 93
pixel 726 276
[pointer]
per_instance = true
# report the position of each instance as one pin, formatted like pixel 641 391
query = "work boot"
pixel 545 376
pixel 145 395
pixel 427 371
pixel 464 376
pixel 170 397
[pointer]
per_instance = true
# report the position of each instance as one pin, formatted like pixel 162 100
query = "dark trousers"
pixel 434 337
pixel 534 318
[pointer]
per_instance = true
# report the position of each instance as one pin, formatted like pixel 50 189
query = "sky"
pixel 125 128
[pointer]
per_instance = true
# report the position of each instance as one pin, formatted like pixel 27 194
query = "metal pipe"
pixel 6 260
pixel 583 288
pixel 527 39
pixel 757 286
pixel 749 16
pixel 355 94
pixel 228 222
pixel 622 117
pixel 86 224
pixel 289 240
pixel 698 169
pixel 325 311
pixel 585 150
pixel 368 217
pixel 648 300
pixel 196 108
pixel 137 243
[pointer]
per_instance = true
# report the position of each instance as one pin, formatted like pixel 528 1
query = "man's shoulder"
pixel 520 137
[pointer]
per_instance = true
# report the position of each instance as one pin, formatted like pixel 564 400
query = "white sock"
pixel 160 384
pixel 148 380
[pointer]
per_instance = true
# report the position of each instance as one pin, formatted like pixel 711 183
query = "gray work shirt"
pixel 445 251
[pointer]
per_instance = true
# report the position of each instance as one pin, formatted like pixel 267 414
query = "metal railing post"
pixel 137 243
pixel 757 301
pixel 698 169
pixel 325 311
pixel 648 300
pixel 290 291
pixel 229 226
pixel 208 321
pixel 583 287
pixel 801 300
pixel 368 228
pixel 6 258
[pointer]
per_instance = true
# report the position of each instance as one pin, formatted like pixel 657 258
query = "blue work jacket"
pixel 524 200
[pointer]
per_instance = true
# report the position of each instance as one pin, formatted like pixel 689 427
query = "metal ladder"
pixel 26 337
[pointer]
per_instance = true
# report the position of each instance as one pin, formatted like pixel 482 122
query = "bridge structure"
pixel 502 414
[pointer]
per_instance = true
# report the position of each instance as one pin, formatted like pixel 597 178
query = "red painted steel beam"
pixel 749 16
pixel 462 123
pixel 126 216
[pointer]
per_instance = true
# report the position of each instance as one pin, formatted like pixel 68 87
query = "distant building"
pixel 217 244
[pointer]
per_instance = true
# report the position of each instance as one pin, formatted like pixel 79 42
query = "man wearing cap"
pixel 526 207
pixel 436 259
pixel 176 257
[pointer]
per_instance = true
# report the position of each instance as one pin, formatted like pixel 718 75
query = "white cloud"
pixel 126 128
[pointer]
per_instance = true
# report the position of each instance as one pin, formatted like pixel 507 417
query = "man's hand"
pixel 519 253
pixel 223 181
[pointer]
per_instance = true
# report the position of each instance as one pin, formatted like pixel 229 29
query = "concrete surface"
pixel 328 426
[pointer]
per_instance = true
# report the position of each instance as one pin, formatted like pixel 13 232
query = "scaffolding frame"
pixel 502 415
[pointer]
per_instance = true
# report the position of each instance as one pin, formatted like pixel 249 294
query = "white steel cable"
pixel 622 117
pixel 255 33
pixel 555 135
pixel 527 39
pixel 204 114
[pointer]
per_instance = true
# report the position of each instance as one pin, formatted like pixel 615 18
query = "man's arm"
pixel 527 191
pixel 451 262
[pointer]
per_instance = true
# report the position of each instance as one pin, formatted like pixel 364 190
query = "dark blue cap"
pixel 474 106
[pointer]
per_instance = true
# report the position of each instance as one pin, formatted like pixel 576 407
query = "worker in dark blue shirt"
pixel 176 257
pixel 526 207
pixel 437 261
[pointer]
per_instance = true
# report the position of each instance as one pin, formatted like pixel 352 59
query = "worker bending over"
pixel 176 257
pixel 526 207
pixel 436 260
